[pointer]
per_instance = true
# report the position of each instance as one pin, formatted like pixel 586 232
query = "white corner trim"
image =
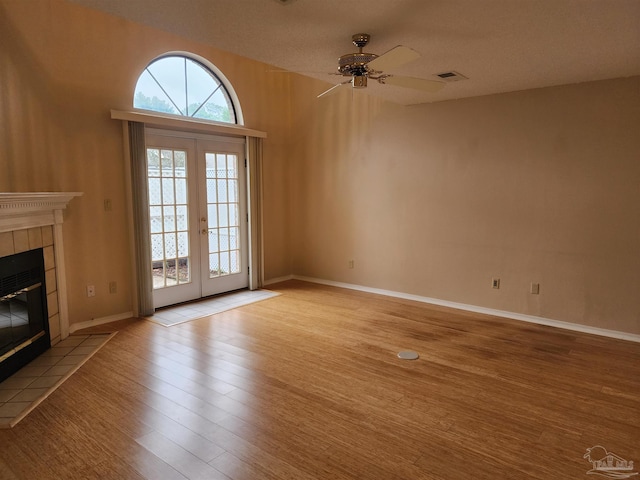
pixel 271 281
pixel 74 327
pixel 631 337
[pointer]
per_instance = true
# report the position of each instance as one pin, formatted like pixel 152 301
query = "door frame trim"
pixel 254 185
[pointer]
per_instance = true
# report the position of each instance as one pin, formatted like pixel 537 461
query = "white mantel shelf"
pixel 32 209
pixel 25 210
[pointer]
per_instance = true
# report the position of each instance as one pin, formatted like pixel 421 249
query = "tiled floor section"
pixel 208 306
pixel 25 389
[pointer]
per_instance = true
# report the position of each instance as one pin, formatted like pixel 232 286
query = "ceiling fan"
pixel 361 66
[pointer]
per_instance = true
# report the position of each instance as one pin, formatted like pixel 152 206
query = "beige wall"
pixel 436 200
pixel 62 69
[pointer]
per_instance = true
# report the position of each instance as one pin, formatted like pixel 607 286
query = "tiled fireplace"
pixel 31 232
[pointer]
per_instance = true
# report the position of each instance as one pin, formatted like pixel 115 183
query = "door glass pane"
pixel 155 197
pixel 223 209
pixel 222 190
pixel 223 217
pixel 181 191
pixel 233 191
pixel 214 265
pixel 169 216
pixel 181 218
pixel 156 219
pixel 167 173
pixel 180 164
pixel 211 189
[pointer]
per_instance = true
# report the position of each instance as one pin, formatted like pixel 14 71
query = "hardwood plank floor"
pixel 307 386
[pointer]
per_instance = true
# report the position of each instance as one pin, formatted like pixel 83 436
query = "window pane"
pixel 157 248
pixel 183 244
pixel 169 218
pixel 223 219
pixel 233 191
pixel 214 265
pixel 183 86
pixel 167 191
pixel 211 191
pixel 167 163
pixel 233 215
pixel 235 262
pixel 210 159
pixel 182 220
pixel 149 96
pixel 224 239
pixel 181 190
pixel 202 85
pixel 154 192
pixel 222 191
pixel 153 162
pixel 224 263
pixel 234 238
pixel 156 219
pixel 213 240
pixel 221 165
pixel 169 73
pixel 181 163
pixel 213 216
pixel 232 166
pixel 170 245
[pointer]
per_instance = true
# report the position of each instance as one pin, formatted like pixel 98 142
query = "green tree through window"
pixel 183 86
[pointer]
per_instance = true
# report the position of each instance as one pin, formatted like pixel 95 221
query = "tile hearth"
pixel 25 389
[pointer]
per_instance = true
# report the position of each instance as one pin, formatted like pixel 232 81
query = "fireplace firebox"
pixel 24 326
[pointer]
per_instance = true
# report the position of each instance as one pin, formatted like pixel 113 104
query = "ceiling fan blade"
pixel 412 82
pixel 334 89
pixel 392 59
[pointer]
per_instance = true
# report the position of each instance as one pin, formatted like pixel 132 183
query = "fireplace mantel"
pixel 19 211
pixel 28 211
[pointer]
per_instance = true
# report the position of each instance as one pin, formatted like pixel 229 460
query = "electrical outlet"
pixel 495 283
pixel 351 264
pixel 113 287
pixel 535 289
pixel 91 291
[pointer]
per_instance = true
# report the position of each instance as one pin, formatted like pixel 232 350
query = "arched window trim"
pixel 235 101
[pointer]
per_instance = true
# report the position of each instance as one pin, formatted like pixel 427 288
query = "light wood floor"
pixel 307 386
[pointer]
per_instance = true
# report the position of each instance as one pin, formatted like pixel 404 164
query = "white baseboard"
pixel 74 327
pixel 487 311
pixel 271 281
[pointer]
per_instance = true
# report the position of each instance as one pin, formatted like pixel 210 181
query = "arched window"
pixel 181 85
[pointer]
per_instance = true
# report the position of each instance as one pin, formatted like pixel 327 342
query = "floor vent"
pixel 408 355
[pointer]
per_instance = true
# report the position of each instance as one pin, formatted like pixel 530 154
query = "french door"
pixel 198 215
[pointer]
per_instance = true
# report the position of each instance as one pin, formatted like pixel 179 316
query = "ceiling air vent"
pixel 450 76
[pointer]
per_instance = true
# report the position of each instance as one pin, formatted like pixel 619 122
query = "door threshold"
pixel 207 306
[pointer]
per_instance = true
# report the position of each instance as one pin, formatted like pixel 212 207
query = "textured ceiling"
pixel 500 45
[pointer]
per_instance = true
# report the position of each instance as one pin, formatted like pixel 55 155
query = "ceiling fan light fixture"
pixel 359 81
